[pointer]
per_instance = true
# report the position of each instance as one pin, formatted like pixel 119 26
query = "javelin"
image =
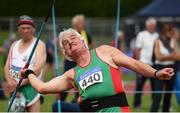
pixel 30 57
pixel 55 51
pixel 117 23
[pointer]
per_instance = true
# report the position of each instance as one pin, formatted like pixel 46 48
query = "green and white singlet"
pixel 17 62
pixel 97 80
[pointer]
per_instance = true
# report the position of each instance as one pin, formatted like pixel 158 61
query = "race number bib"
pixel 90 78
pixel 14 70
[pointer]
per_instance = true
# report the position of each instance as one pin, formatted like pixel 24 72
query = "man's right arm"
pixel 6 67
pixel 11 82
pixel 56 85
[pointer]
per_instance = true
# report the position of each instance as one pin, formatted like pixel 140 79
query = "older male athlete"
pixel 96 75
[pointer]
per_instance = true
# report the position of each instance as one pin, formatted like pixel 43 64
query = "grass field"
pixel 49 99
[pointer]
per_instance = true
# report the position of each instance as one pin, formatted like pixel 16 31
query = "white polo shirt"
pixel 144 42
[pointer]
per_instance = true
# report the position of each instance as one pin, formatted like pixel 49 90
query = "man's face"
pixel 26 31
pixel 72 43
pixel 79 24
pixel 151 27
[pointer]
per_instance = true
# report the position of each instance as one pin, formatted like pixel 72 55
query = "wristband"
pixel 155 75
pixel 28 72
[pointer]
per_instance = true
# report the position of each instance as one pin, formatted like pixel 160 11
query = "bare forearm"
pixel 56 85
pixel 7 69
pixel 142 68
pixel 36 83
pixel 7 75
pixel 163 58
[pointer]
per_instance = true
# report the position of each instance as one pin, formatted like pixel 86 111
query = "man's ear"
pixel 33 30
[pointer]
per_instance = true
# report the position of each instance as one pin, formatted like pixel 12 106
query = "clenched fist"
pixel 164 74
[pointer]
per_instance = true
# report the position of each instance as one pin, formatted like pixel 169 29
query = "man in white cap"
pixel 27 98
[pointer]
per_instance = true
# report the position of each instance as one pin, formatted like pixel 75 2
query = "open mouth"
pixel 71 45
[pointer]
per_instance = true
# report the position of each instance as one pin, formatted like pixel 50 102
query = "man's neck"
pixel 26 43
pixel 151 32
pixel 28 40
pixel 83 58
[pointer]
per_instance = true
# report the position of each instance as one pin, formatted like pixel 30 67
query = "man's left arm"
pixel 121 59
pixel 39 60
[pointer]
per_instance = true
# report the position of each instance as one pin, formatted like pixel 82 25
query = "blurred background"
pixel 100 22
